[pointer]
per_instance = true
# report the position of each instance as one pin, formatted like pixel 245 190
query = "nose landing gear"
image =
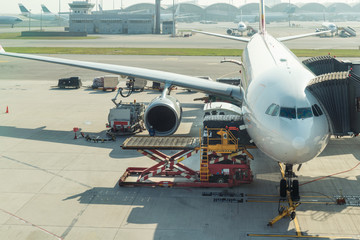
pixel 289 195
pixel 287 184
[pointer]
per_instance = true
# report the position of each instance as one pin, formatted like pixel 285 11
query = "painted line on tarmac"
pixel 34 225
pixel 47 171
pixel 295 236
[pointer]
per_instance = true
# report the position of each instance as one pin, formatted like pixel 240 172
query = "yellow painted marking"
pixel 302 236
pixel 330 203
pixel 262 201
pixel 3 61
pixel 171 59
pixel 314 197
pixel 261 195
pixel 273 201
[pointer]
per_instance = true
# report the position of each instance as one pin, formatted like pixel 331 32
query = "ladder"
pixel 228 144
pixel 204 165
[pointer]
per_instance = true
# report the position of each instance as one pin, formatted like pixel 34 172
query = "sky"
pixel 53 5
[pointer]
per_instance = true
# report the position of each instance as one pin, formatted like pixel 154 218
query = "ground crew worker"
pixel 151 131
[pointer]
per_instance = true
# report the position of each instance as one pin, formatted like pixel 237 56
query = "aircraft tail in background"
pixel 262 21
pixel 23 9
pixel 45 9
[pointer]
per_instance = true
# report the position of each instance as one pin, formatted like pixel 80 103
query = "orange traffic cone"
pixel 7 109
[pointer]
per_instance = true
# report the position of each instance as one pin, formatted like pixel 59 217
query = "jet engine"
pixel 229 31
pixel 163 115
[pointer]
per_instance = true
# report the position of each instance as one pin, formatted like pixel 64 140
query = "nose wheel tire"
pixel 283 188
pixel 295 196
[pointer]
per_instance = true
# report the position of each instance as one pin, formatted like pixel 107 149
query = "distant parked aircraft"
pixel 64 16
pixel 10 20
pixel 241 28
pixel 38 16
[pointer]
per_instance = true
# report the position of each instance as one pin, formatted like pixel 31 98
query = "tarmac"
pixel 53 186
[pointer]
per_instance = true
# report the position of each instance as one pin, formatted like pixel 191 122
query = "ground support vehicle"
pixel 136 84
pixel 72 82
pixel 221 165
pixel 107 82
pixel 125 118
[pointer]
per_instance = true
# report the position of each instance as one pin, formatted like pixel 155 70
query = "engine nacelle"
pixel 164 115
pixel 229 31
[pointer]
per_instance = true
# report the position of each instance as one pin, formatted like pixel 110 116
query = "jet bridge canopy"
pixel 338 92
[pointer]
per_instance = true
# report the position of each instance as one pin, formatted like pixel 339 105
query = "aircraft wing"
pixel 283 39
pixel 241 39
pixel 152 75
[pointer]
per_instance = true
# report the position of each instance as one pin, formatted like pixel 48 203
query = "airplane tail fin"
pixel 2 50
pixel 23 9
pixel 262 21
pixel 45 9
pixel 177 12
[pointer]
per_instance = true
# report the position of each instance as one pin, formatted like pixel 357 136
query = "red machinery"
pixel 221 165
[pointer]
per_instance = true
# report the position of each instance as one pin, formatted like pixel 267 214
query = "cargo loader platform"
pixel 221 165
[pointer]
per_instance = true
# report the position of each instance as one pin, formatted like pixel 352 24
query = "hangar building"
pixel 82 20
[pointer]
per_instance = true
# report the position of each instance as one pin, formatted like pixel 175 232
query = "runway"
pixel 55 187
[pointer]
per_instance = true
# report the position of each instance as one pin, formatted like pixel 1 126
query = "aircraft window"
pixel 304 113
pixel 273 110
pixel 287 112
pixel 317 110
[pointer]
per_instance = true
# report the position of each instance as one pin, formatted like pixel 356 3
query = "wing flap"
pixel 152 75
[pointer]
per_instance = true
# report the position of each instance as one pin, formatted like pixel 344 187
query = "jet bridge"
pixel 338 91
pixel 326 64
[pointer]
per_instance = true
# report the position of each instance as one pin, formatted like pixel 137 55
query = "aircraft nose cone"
pixel 298 143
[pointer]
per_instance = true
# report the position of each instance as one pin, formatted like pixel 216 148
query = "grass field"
pixel 175 51
pixel 17 35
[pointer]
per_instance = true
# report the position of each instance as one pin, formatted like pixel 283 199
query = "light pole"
pixel 59 13
pixel 41 20
pixel 289 11
pixel 29 20
pixel 173 18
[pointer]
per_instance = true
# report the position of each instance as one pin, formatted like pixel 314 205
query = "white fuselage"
pixel 9 20
pixel 289 132
pixel 241 27
pixel 42 17
pixel 330 26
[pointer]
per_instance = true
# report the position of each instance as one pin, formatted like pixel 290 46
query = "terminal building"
pixel 82 20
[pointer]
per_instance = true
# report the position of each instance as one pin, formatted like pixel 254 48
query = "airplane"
pixel 241 28
pixel 282 117
pixel 10 20
pixel 37 16
pixel 47 11
pixel 329 26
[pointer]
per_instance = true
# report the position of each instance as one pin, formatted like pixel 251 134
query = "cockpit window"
pixel 287 112
pixel 273 110
pixel 317 110
pixel 304 113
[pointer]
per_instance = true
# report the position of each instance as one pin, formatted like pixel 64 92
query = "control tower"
pixel 81 7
